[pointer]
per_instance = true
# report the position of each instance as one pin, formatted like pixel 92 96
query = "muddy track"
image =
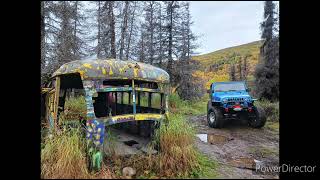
pixel 238 148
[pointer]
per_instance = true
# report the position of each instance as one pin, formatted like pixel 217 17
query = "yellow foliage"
pixel 221 57
pixel 210 77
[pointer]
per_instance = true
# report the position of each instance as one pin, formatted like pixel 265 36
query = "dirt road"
pixel 237 148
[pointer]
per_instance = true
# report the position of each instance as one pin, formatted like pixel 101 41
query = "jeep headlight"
pixel 247 99
pixel 225 100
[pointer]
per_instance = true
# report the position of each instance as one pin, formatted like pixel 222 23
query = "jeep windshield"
pixel 223 87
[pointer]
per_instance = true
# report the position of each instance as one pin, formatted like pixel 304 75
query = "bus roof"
pixel 113 69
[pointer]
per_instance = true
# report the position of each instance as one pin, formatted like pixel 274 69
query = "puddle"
pixel 217 139
pixel 213 138
pixel 203 137
pixel 244 162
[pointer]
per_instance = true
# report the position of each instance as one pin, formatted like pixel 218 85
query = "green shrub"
pixel 74 109
pixel 271 109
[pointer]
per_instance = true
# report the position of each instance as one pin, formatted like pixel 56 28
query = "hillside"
pixel 215 66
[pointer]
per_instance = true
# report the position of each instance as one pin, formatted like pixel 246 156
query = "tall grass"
pixel 63 156
pixel 178 156
pixel 185 107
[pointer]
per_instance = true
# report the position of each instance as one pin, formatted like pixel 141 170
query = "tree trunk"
pixel 151 35
pixel 245 68
pixel 160 38
pixel 188 33
pixel 169 66
pixel 142 55
pixel 42 33
pixel 130 34
pixel 112 29
pixel 124 28
pixel 240 69
pixel 174 88
pixel 99 31
pixel 75 29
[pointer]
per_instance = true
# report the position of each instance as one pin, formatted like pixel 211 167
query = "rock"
pixel 128 171
pixel 147 150
pixel 137 146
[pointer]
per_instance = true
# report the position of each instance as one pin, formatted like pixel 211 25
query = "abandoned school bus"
pixel 106 85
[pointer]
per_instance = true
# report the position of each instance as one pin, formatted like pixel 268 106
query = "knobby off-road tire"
pixel 260 118
pixel 215 117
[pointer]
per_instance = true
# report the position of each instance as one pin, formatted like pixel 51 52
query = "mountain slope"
pixel 215 66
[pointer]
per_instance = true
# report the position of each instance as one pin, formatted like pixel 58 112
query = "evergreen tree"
pixel 267 71
pixel 267 25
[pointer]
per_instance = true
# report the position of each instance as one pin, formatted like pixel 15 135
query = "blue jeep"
pixel 231 100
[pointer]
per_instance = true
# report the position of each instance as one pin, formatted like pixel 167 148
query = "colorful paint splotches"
pixel 113 69
pixel 95 132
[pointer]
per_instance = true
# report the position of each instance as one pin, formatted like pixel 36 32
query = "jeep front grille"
pixel 231 103
pixel 234 103
pixel 235 99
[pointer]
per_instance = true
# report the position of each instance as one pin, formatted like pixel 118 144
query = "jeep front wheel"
pixel 260 118
pixel 215 118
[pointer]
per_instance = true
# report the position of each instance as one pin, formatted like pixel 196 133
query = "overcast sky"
pixel 223 24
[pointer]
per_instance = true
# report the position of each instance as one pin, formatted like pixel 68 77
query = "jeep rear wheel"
pixel 260 118
pixel 215 118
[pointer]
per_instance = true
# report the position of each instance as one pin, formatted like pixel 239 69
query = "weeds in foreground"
pixel 63 156
pixel 178 156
